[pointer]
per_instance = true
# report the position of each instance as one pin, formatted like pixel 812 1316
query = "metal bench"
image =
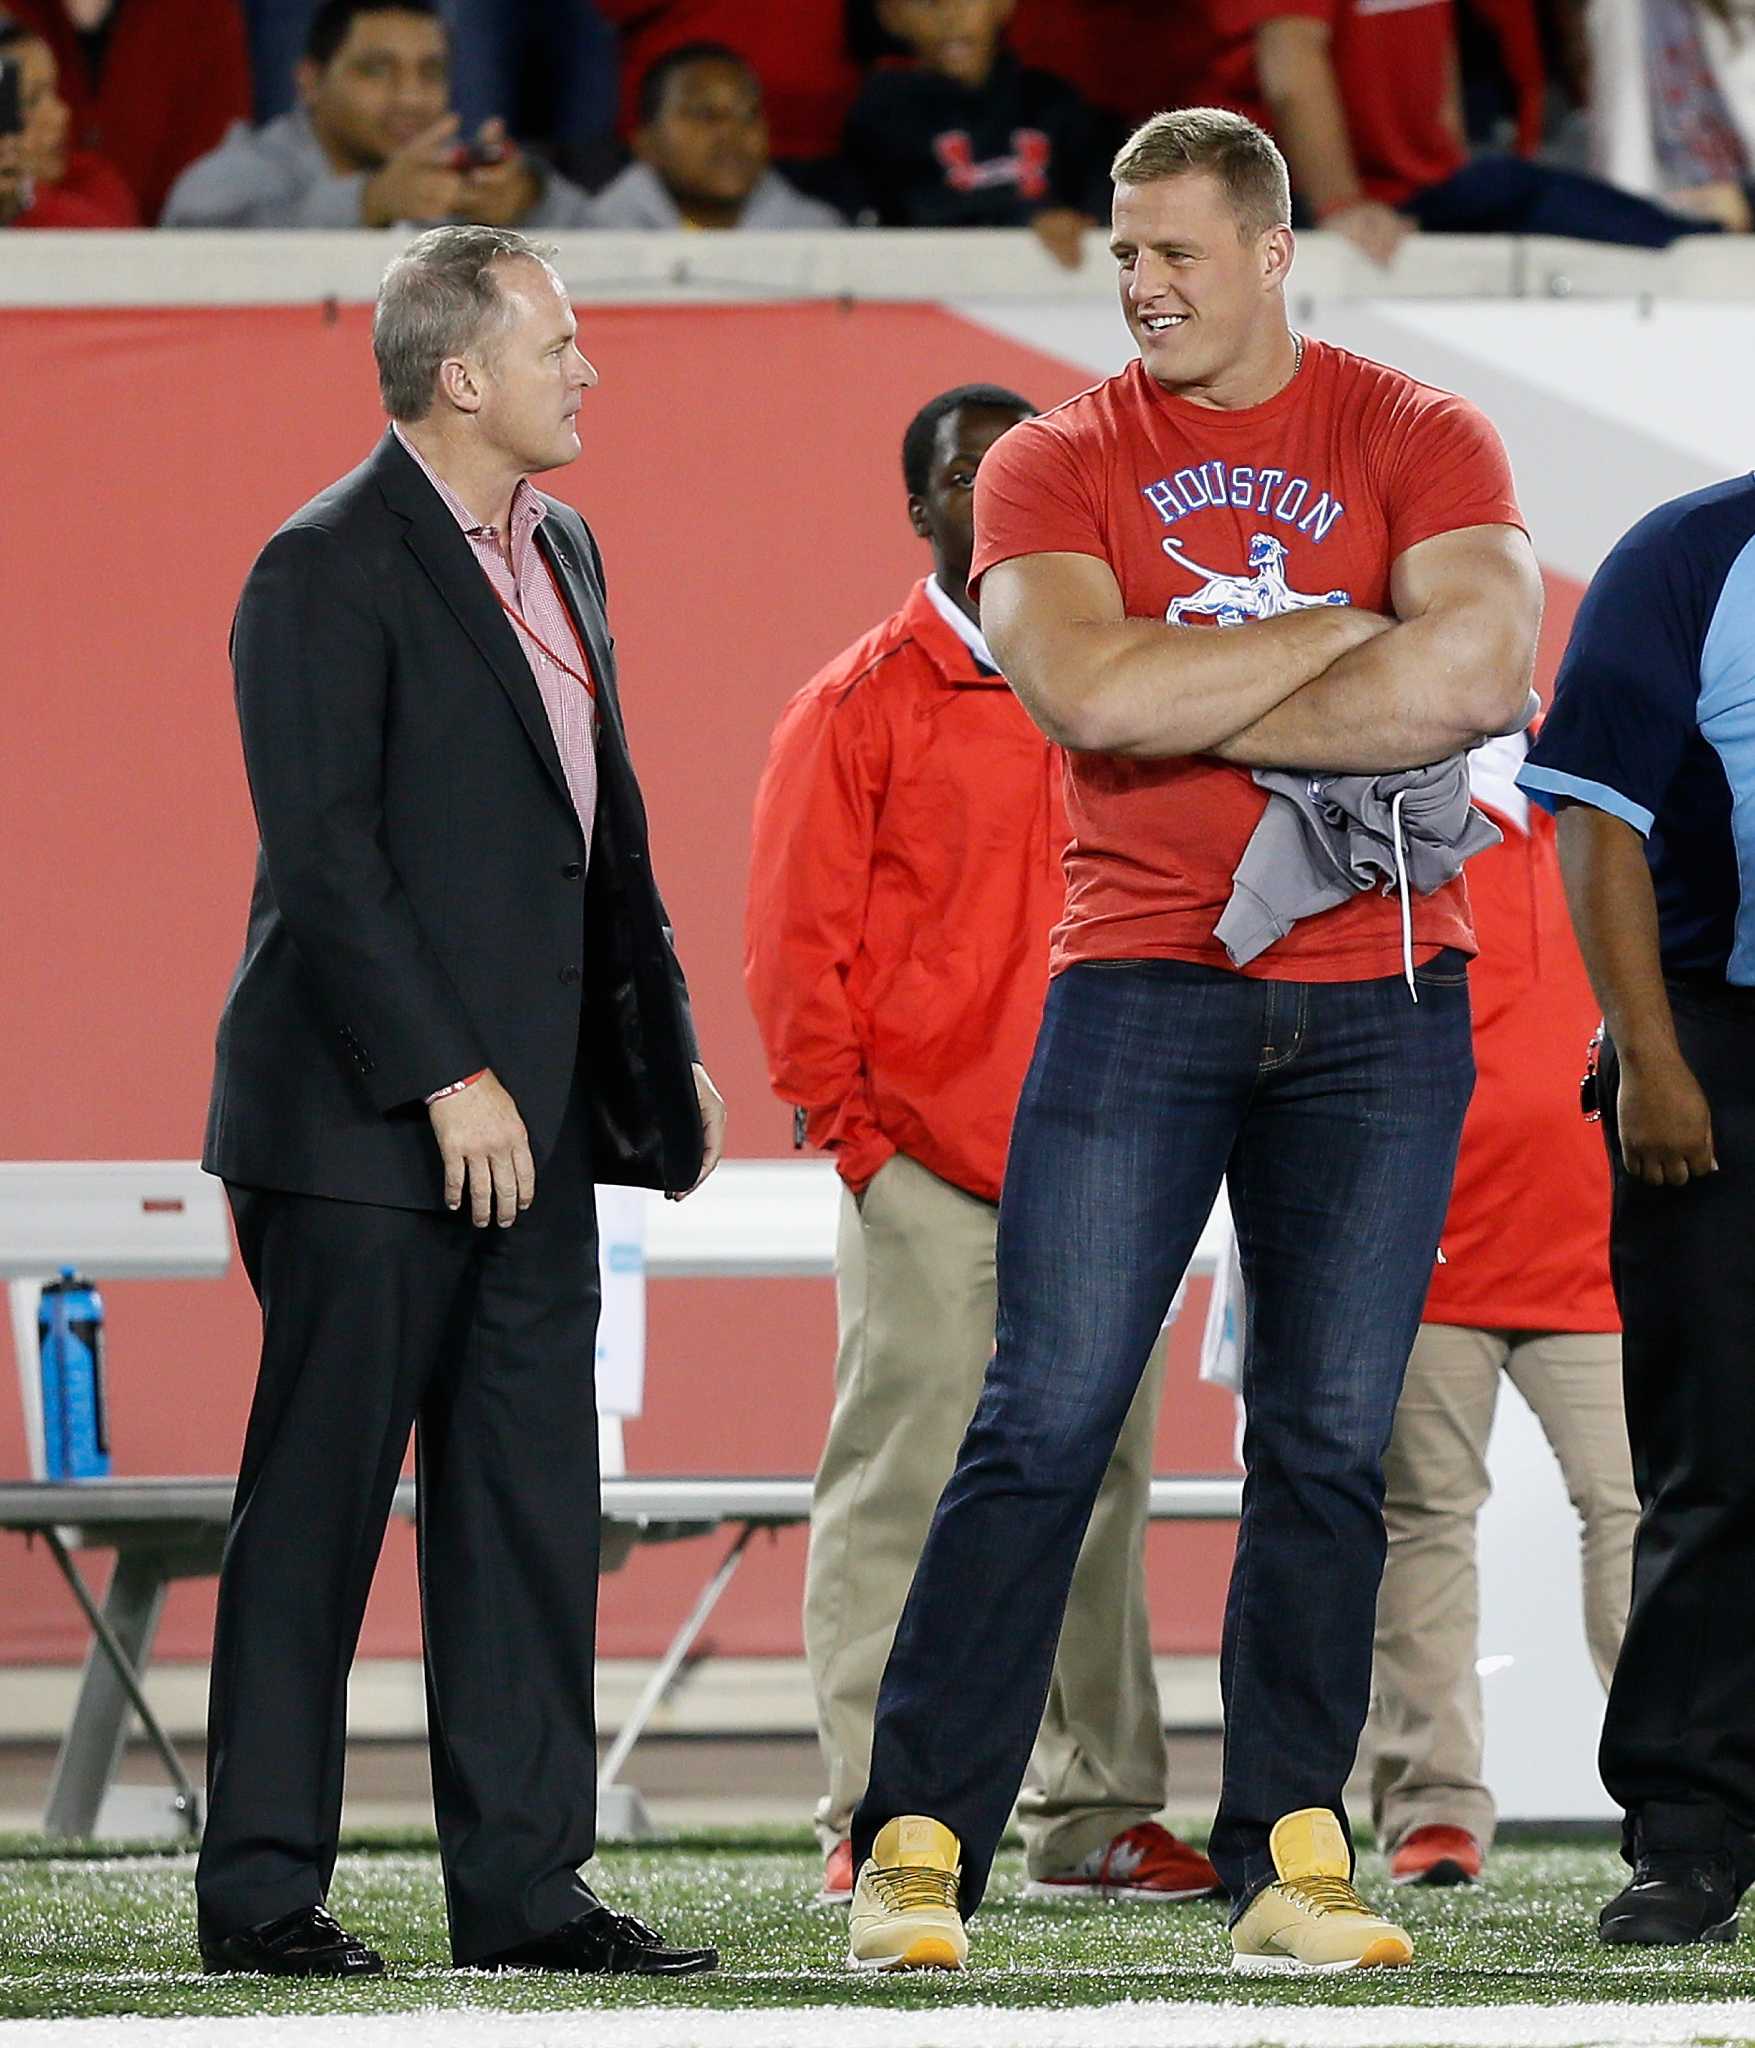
pixel 165 1529
pixel 768 1218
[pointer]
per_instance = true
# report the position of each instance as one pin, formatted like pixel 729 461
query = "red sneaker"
pixel 1147 1865
pixel 1436 1855
pixel 837 1877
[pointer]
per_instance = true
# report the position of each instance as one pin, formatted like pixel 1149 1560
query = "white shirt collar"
pixel 527 506
pixel 961 624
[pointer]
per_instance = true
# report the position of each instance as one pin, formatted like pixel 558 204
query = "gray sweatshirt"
pixel 638 199
pixel 277 176
pixel 1324 838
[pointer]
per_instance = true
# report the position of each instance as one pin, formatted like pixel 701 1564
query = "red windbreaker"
pixel 1526 1242
pixel 904 878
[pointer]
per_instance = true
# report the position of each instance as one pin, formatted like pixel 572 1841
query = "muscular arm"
pixel 1099 682
pixel 1665 1124
pixel 1297 73
pixel 1455 668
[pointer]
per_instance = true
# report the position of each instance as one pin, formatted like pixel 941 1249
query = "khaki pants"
pixel 914 1270
pixel 1424 1734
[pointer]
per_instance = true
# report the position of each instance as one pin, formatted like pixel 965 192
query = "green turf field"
pixel 105 1933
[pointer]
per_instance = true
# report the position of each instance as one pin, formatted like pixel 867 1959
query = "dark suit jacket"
pixel 423 903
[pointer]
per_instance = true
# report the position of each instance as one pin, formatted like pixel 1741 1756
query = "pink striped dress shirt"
pixel 527 586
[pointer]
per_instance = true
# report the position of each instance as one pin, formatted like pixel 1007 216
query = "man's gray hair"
pixel 438 298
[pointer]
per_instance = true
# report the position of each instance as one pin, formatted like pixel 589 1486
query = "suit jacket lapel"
pixel 449 561
pixel 437 543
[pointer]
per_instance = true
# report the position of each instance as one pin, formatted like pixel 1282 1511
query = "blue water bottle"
pixel 70 1333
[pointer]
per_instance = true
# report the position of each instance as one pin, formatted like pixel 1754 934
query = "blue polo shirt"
pixel 1653 720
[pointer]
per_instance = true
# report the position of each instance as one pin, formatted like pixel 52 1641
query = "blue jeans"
pixel 1334 1108
pixel 1510 195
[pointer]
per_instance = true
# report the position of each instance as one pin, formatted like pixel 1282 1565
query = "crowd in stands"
pixel 1615 120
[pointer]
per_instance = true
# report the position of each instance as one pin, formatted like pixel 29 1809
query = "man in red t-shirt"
pixel 1365 100
pixel 1247 551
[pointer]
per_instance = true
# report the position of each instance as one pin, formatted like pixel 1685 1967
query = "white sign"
pixel 621 1327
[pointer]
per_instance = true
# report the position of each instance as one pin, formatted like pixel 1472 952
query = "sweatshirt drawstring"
pixel 1401 881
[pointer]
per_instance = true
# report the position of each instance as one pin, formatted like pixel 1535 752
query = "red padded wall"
pixel 741 470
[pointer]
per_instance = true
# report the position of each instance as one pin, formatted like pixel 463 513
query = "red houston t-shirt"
pixel 1206 514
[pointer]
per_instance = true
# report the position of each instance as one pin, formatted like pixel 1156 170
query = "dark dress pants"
pixel 1678 1751
pixel 377 1320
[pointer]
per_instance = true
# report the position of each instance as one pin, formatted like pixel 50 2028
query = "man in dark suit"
pixel 458 1009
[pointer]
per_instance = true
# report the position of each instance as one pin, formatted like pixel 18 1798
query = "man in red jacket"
pixel 1524 1293
pixel 905 878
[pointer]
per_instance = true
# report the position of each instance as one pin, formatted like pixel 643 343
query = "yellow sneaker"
pixel 1312 1919
pixel 904 1913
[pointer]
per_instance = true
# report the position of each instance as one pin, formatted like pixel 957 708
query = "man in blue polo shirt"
pixel 1649 753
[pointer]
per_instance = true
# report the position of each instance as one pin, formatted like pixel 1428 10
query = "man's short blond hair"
pixel 1241 156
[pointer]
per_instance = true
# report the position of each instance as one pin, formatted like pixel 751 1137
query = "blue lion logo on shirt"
pixel 1229 600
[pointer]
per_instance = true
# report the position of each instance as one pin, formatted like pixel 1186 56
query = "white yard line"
pixel 1141 2025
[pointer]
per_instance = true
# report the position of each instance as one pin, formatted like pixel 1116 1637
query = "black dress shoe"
pixel 602 1943
pixel 306 1943
pixel 1676 1896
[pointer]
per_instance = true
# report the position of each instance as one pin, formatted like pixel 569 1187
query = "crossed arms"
pixel 1333 690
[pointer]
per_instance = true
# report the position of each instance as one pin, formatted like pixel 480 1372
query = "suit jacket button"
pixel 573 870
pixel 569 975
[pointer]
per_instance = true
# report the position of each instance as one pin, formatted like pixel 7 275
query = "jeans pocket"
pixel 1446 969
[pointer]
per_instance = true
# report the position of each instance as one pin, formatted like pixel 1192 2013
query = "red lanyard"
pixel 536 640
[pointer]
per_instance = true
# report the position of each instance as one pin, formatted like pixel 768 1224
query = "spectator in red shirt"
pixel 1127 57
pixel 54 187
pixel 151 84
pixel 1364 100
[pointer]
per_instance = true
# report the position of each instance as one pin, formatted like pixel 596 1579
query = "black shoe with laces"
pixel 1676 1896
pixel 602 1943
pixel 308 1942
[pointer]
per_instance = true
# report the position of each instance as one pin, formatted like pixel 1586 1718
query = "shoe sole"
pixel 219 1969
pixel 825 1900
pixel 926 1952
pixel 1723 1930
pixel 1381 1955
pixel 1445 1871
pixel 1133 1895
